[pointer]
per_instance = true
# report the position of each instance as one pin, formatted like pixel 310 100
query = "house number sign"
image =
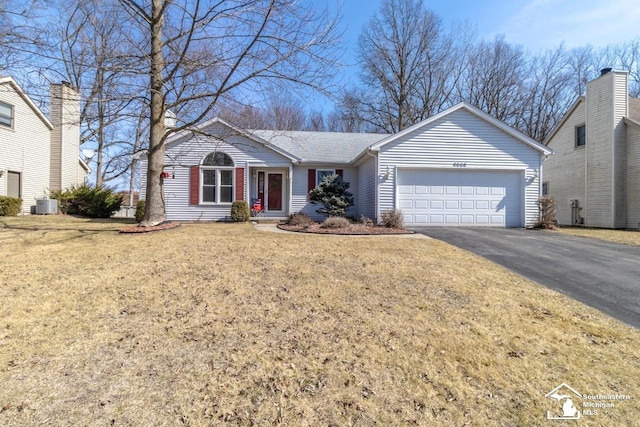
pixel 459 165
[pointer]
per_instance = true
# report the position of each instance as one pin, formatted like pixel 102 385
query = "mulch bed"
pixel 168 225
pixel 354 229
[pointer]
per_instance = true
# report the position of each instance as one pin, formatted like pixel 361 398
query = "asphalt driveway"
pixel 603 275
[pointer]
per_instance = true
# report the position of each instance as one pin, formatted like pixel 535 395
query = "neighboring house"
pixel 595 172
pixel 459 167
pixel 38 154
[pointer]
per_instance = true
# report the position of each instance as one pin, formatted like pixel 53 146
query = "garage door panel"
pixel 405 204
pixel 491 198
pixel 452 204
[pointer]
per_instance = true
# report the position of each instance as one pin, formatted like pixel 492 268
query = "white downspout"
pixel 375 156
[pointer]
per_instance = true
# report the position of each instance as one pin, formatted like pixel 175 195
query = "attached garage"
pixel 461 167
pixel 460 197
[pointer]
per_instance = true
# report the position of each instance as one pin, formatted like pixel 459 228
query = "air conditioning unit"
pixel 46 206
pixel 574 203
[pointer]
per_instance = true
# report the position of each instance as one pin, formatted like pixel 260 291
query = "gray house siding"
pixel 564 171
pixel 461 140
pixel 181 155
pixel 300 201
pixel 367 180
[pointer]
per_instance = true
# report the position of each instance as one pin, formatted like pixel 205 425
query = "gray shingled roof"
pixel 320 147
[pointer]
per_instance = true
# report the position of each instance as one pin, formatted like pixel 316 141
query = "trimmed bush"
pixel 335 222
pixel 333 194
pixel 392 218
pixel 140 206
pixel 10 206
pixel 300 220
pixel 240 211
pixel 84 200
pixel 366 221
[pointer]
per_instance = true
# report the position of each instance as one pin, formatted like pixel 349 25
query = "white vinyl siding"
pixel 461 140
pixel 181 155
pixel 620 108
pixel 599 205
pixel 25 149
pixel 65 137
pixel 300 202
pixel 367 188
pixel 565 169
pixel 633 176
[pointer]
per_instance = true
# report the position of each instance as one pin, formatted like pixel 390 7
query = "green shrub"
pixel 10 206
pixel 240 211
pixel 140 206
pixel 335 222
pixel 392 218
pixel 84 200
pixel 299 219
pixel 333 194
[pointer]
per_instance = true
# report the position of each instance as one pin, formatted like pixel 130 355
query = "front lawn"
pixel 221 324
pixel 631 238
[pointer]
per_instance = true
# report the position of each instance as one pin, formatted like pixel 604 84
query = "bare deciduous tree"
pixel 201 52
pixel 406 65
pixel 93 52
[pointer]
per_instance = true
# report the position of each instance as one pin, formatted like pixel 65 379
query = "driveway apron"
pixel 603 275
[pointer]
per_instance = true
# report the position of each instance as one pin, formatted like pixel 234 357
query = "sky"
pixel 536 25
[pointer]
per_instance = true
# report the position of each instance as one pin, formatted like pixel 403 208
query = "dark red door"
pixel 274 183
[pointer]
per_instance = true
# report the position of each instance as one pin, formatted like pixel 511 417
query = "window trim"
pixel 318 179
pixel 218 182
pixel 11 117
pixel 576 138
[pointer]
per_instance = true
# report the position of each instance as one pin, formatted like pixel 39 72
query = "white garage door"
pixel 472 198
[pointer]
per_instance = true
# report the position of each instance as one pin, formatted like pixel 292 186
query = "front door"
pixel 274 188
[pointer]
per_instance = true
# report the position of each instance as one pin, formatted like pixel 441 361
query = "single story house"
pixel 595 172
pixel 38 154
pixel 459 167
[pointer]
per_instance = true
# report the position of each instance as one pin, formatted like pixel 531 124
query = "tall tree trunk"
pixel 100 149
pixel 154 208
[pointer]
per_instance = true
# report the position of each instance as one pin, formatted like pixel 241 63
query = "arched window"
pixel 217 158
pixel 217 178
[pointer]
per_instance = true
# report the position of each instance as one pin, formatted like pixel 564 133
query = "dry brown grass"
pixel 618 236
pixel 213 324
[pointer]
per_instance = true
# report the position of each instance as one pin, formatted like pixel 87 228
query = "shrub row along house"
pixel 595 172
pixel 38 154
pixel 459 167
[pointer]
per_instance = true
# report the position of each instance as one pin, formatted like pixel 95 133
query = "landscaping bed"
pixel 353 229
